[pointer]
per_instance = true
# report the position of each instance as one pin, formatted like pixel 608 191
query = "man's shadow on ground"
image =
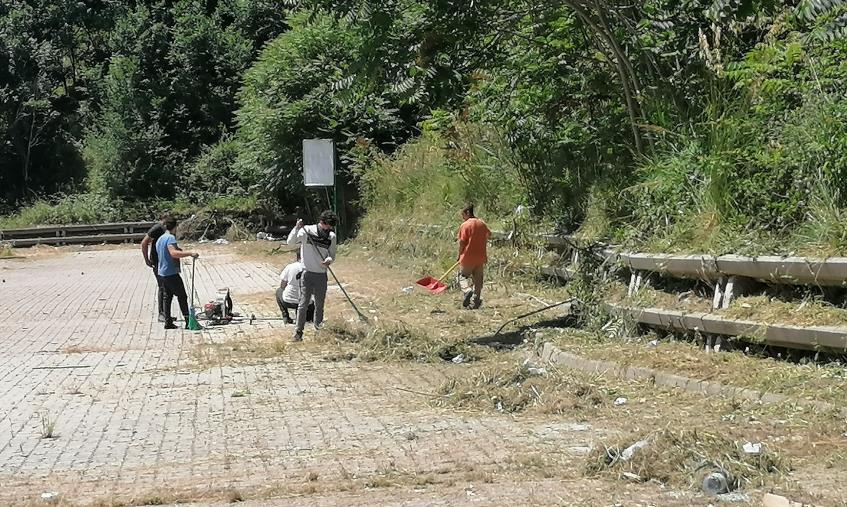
pixel 509 339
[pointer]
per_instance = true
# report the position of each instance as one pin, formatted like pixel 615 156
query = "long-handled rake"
pixel 193 325
pixel 361 315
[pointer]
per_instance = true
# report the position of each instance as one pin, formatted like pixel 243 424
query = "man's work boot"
pixel 169 324
pixel 288 320
pixel 477 302
pixel 467 299
pixel 162 317
pixel 298 336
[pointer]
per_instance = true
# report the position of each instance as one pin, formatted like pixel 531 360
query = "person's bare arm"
pixel 180 254
pixel 145 249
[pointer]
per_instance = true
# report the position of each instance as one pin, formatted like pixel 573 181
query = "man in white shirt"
pixel 288 293
pixel 318 245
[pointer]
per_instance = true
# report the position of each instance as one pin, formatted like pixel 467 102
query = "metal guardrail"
pixel 781 335
pixel 728 272
pixel 76 229
pixel 76 234
pixel 831 271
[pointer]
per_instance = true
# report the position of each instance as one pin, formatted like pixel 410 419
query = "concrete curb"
pixel 552 355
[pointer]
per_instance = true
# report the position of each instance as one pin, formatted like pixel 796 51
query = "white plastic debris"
pixel 500 406
pixel 408 290
pixel 261 235
pixel 734 498
pixel 459 359
pixel 627 453
pixel 751 448
pixel 221 241
pixel 631 476
pixel 654 343
pixel 49 496
pixel 536 371
pixel 620 401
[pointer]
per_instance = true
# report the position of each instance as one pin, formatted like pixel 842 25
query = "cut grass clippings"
pixel 512 389
pixel 684 458
pixel 397 342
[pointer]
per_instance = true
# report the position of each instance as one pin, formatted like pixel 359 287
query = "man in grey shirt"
pixel 318 245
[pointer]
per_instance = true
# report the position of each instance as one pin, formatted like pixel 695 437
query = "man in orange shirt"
pixel 473 242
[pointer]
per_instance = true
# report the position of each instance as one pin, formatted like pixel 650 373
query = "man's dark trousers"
pixel 174 287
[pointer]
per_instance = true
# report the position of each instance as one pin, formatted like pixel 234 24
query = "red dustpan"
pixel 436 285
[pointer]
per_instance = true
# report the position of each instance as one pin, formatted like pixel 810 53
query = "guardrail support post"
pixel 716 301
pixel 731 285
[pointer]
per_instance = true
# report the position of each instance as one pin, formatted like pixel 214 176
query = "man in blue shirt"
pixel 169 255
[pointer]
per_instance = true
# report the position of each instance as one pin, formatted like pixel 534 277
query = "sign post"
pixel 319 171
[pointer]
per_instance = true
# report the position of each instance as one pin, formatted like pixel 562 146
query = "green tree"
pixel 301 88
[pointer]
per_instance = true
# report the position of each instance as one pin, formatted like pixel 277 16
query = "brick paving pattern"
pixel 134 411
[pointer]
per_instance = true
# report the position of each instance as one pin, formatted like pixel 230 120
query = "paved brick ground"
pixel 135 413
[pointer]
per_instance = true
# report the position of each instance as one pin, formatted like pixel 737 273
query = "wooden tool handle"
pixel 448 272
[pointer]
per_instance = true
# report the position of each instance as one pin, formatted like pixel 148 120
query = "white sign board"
pixel 319 162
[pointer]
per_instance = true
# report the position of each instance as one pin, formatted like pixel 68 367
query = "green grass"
pixel 89 208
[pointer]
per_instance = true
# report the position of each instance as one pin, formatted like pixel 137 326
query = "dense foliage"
pixel 699 124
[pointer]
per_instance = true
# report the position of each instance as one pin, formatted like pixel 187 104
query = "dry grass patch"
pixel 512 389
pixel 6 251
pixel 684 458
pixel 805 313
pixel 809 381
pixel 397 342
pixel 240 350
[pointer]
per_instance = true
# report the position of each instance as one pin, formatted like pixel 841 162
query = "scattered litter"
pixel 620 401
pixel 408 290
pixel 654 343
pixel 715 484
pixel 627 453
pixel 631 476
pixel 746 305
pixel 500 406
pixel 221 241
pixel 49 496
pixel 751 448
pixel 459 359
pixel 536 371
pixel 734 498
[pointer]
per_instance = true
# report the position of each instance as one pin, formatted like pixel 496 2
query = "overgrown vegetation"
pixel 709 125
